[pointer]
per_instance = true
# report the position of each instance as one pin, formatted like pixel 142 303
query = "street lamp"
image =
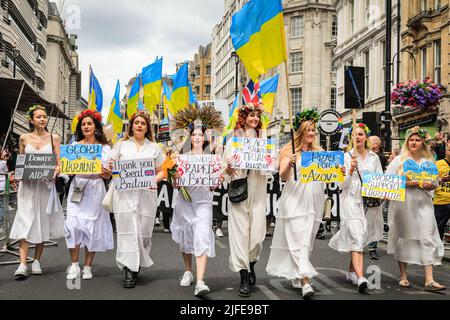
pixel 236 69
pixel 398 60
pixel 15 53
pixel 64 103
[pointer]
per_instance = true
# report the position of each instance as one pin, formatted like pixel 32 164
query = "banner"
pixel 425 172
pixel 81 159
pixel 199 170
pixel 163 133
pixel 35 166
pixel 254 153
pixel 381 186
pixel 322 166
pixel 134 174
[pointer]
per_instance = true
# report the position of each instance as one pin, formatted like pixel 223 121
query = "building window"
pixel 367 72
pixel 333 98
pixel 352 16
pixel 208 70
pixel 296 61
pixel 424 62
pixel 197 90
pixel 437 62
pixel 208 89
pixel 367 8
pixel 197 71
pixel 297 27
pixel 424 5
pixel 334 26
pixel 437 4
pixel 296 96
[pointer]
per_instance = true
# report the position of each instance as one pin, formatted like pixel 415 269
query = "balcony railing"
pixel 416 20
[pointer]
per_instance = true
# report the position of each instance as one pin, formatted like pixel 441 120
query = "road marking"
pixel 322 289
pixel 331 283
pixel 276 283
pixel 267 292
pixel 417 290
pixel 220 244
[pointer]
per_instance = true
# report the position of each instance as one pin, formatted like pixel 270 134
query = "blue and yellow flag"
pixel 115 116
pixel 234 113
pixel 268 89
pixel 132 105
pixel 95 93
pixel 151 81
pixel 192 97
pixel 140 105
pixel 257 33
pixel 180 90
pixel 167 98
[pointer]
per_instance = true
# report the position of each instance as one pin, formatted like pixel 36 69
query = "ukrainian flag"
pixel 132 105
pixel 180 90
pixel 257 33
pixel 115 116
pixel 167 98
pixel 234 113
pixel 151 81
pixel 95 93
pixel 268 89
pixel 140 105
pixel 192 97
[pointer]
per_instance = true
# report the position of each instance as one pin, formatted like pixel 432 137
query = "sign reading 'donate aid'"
pixel 383 186
pixel 199 170
pixel 254 154
pixel 134 174
pixel 427 171
pixel 81 159
pixel 324 166
pixel 35 166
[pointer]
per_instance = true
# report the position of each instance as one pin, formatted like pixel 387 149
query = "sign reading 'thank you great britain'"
pixel 81 159
pixel 199 170
pixel 134 174
pixel 254 153
pixel 322 166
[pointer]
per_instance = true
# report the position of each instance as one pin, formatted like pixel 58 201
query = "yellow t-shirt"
pixel 442 194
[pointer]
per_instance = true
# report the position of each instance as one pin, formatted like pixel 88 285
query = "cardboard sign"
pixel 81 159
pixel 381 186
pixel 254 154
pixel 322 166
pixel 199 170
pixel 134 174
pixel 35 166
pixel 425 172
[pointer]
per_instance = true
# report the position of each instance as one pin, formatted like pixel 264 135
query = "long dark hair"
pixel 143 115
pixel 99 134
pixel 31 112
pixel 188 142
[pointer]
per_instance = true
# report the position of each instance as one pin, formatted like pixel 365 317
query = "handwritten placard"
pixel 134 174
pixel 199 170
pixel 81 159
pixel 35 166
pixel 383 186
pixel 427 171
pixel 322 166
pixel 254 154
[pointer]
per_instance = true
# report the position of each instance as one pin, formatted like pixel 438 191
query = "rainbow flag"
pixel 151 81
pixel 95 93
pixel 257 33
pixel 132 105
pixel 115 116
pixel 180 90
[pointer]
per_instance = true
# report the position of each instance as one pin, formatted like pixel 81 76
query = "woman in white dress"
pixel 246 219
pixel 353 234
pixel 192 220
pixel 300 211
pixel 413 232
pixel 135 210
pixel 87 223
pixel 33 223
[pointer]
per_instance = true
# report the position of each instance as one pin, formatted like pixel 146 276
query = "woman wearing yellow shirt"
pixel 442 194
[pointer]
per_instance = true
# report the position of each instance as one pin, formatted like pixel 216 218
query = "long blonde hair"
pixel 367 144
pixel 405 153
pixel 299 135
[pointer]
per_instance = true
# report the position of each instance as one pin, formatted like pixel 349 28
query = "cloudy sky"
pixel 118 38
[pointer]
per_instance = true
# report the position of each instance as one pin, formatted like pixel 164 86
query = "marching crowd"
pixel 415 237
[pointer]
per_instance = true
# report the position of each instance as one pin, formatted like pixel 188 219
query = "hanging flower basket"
pixel 425 95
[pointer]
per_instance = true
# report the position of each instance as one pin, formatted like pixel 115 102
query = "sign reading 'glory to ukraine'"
pixel 81 159
pixel 254 153
pixel 199 170
pixel 134 174
pixel 322 166
pixel 381 186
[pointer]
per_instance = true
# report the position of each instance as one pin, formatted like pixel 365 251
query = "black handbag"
pixel 238 190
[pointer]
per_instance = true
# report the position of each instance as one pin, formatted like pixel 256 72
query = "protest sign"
pixel 383 186
pixel 425 172
pixel 134 174
pixel 35 166
pixel 322 166
pixel 199 170
pixel 254 153
pixel 81 159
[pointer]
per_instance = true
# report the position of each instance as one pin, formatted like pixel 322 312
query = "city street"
pixel 161 281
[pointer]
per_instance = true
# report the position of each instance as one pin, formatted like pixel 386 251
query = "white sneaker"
pixel 187 279
pixel 201 289
pixel 307 291
pixel 36 267
pixel 166 231
pixel 157 223
pixel 363 285
pixel 351 277
pixel 296 284
pixel 87 273
pixel 21 272
pixel 272 224
pixel 73 271
pixel 219 233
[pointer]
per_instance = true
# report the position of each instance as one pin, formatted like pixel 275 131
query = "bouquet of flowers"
pixel 424 95
pixel 170 169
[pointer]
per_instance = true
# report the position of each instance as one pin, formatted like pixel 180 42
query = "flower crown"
pixel 362 126
pixel 306 115
pixel 423 133
pixel 142 114
pixel 90 113
pixel 33 109
pixel 251 107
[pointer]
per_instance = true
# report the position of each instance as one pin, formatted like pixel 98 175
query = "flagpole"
pixel 90 86
pixel 290 117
